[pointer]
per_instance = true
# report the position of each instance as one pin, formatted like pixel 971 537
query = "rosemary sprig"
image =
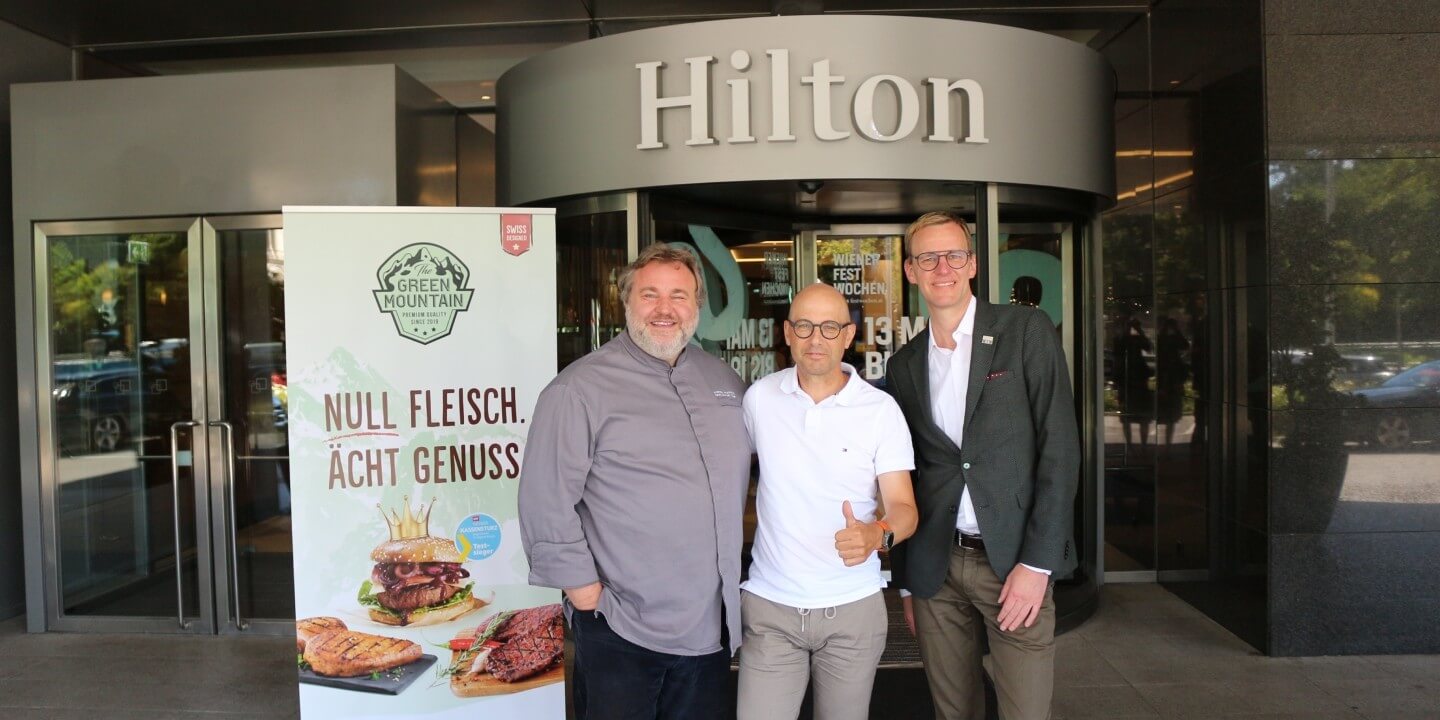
pixel 463 659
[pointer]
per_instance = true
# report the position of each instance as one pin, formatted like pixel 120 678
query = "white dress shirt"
pixel 949 384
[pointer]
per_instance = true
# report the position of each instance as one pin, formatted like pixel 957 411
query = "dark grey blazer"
pixel 1020 455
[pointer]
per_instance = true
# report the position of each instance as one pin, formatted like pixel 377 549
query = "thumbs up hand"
pixel 857 541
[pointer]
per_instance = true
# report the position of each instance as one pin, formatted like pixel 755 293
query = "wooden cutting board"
pixel 482 684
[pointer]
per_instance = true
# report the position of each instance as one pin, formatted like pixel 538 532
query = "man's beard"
pixel 667 351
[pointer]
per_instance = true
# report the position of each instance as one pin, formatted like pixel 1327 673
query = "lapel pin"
pixel 987 340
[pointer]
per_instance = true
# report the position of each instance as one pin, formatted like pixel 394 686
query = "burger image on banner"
pixel 418 578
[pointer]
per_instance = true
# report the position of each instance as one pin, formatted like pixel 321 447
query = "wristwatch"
pixel 887 537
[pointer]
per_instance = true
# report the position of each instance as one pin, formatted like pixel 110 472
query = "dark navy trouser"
pixel 616 679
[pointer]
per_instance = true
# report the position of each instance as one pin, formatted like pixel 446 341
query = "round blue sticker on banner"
pixel 478 537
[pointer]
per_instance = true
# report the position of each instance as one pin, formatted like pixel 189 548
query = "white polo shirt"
pixel 814 457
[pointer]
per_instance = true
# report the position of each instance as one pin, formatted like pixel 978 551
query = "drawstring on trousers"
pixel 828 612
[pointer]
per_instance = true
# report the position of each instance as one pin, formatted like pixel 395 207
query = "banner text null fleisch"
pixel 350 416
pixel 449 407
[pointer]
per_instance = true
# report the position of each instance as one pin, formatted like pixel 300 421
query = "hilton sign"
pixel 806 97
pixel 822 82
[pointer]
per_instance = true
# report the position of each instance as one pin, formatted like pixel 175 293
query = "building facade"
pixel 1255 341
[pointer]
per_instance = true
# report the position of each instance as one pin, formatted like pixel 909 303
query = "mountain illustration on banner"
pixel 423 263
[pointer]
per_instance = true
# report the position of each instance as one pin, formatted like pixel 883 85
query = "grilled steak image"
pixel 530 641
pixel 347 653
pixel 512 651
pixel 531 621
pixel 310 627
pixel 523 622
pixel 528 654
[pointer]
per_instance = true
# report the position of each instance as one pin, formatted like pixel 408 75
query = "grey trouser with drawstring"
pixel 785 648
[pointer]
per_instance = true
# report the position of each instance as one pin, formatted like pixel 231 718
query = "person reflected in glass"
pixel 1171 372
pixel 1132 380
pixel 1027 290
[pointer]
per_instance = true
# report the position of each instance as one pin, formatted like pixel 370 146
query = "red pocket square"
pixel 996 375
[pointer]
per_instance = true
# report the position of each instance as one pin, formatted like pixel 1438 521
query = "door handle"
pixel 228 432
pixel 175 487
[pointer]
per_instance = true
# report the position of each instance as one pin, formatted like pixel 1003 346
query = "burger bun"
pixel 417 550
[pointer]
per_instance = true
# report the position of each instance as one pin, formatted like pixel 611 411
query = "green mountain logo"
pixel 423 287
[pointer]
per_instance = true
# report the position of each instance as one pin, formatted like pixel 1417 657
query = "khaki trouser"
pixel 835 649
pixel 948 627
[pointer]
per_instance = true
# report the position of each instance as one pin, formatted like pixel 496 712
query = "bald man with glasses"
pixel 835 463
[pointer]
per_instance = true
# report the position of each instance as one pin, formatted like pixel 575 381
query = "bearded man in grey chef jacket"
pixel 636 471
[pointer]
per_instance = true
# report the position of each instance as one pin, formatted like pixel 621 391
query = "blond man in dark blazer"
pixel 986 394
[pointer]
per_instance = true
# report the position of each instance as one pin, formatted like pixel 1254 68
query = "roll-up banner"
pixel 419 339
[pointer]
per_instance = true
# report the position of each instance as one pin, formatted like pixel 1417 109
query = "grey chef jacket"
pixel 635 475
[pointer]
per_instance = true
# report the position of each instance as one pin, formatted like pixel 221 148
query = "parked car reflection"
pixel 266 398
pixel 1408 404
pixel 93 405
pixel 110 404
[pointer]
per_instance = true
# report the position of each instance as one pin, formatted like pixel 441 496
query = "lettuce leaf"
pixel 368 600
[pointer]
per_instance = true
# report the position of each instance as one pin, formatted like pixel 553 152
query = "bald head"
pixel 818 303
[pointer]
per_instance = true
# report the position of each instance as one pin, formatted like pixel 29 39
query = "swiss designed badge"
pixel 423 287
pixel 515 233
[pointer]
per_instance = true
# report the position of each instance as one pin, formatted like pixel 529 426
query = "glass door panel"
pixel 247 419
pixel 116 361
pixel 591 241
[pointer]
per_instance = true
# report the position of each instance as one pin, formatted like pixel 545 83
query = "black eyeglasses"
pixel 956 259
pixel 828 329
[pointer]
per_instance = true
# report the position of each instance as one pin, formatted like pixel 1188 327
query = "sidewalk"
pixel 1146 654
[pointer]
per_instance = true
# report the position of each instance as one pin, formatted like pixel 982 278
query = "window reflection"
pixel 118 339
pixel 590 251
pixel 1355 351
pixel 869 271
pixel 120 357
pixel 749 281
pixel 255 399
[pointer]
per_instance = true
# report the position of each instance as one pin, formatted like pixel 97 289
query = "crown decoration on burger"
pixel 420 577
pixel 411 525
